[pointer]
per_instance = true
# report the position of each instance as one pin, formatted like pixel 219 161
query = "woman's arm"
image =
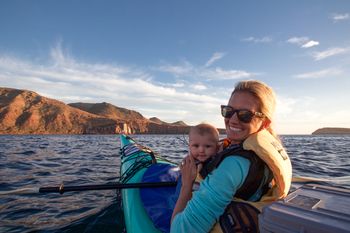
pixel 214 194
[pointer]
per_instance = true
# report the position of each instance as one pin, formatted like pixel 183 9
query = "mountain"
pixel 179 123
pixel 157 120
pixel 329 130
pixel 26 112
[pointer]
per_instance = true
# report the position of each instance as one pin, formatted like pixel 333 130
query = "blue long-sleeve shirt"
pixel 215 193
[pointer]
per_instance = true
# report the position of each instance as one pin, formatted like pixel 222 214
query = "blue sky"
pixel 179 60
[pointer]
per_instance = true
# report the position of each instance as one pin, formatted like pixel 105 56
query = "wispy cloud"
pixel 221 74
pixel 303 42
pixel 265 39
pixel 199 86
pixel 176 70
pixel 336 17
pixel 214 58
pixel 190 71
pixel 331 72
pixel 329 53
pixel 298 40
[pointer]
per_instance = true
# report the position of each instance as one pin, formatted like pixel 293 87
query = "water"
pixel 34 161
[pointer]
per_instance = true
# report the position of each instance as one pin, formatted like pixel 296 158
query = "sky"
pixel 179 60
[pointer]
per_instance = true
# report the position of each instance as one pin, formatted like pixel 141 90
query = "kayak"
pixel 146 209
pixel 310 208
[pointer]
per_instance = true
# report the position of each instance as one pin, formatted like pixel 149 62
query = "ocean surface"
pixel 33 161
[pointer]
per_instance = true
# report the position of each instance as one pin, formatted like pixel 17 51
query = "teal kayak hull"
pixel 134 163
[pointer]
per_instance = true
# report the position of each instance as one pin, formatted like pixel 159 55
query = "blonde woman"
pixel 251 171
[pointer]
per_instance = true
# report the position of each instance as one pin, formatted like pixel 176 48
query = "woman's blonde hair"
pixel 264 94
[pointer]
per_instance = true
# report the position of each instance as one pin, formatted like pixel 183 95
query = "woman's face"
pixel 236 130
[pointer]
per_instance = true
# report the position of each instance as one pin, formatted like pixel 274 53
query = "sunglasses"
pixel 243 115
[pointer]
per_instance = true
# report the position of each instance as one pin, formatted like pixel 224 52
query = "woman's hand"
pixel 188 172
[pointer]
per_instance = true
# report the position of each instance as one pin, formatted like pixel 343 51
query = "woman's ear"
pixel 266 123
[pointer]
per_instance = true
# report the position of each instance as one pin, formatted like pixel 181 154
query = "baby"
pixel 203 144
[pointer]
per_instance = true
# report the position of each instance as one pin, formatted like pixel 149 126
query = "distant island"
pixel 329 130
pixel 26 112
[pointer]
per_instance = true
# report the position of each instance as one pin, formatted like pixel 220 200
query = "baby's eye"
pixel 208 146
pixel 195 145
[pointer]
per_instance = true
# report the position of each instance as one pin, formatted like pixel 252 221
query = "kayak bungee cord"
pixel 128 153
pixel 61 189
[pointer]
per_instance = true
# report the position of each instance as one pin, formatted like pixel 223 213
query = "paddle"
pixel 304 179
pixel 62 189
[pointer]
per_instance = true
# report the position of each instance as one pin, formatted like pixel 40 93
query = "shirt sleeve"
pixel 215 193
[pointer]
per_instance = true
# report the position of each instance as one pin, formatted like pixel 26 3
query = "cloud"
pixel 310 44
pixel 303 42
pixel 340 17
pixel 297 112
pixel 199 86
pixel 221 74
pixel 214 58
pixel 329 53
pixel 67 79
pixel 298 40
pixel 265 39
pixel 320 74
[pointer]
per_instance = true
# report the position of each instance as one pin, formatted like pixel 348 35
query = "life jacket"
pixel 265 153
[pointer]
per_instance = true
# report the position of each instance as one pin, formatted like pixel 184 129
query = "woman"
pixel 251 171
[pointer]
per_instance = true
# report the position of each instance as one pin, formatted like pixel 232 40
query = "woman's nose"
pixel 234 117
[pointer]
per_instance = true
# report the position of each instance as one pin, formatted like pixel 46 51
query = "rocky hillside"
pixel 26 112
pixel 332 131
pixel 133 119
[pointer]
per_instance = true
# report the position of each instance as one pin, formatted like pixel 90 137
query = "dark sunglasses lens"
pixel 245 116
pixel 227 111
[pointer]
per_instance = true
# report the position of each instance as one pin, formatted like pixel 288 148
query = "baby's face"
pixel 202 147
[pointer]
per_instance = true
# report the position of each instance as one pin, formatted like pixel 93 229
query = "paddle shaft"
pixel 61 189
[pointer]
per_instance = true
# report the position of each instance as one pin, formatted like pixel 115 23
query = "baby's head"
pixel 203 141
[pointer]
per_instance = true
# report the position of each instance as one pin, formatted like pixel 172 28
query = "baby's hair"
pixel 204 128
